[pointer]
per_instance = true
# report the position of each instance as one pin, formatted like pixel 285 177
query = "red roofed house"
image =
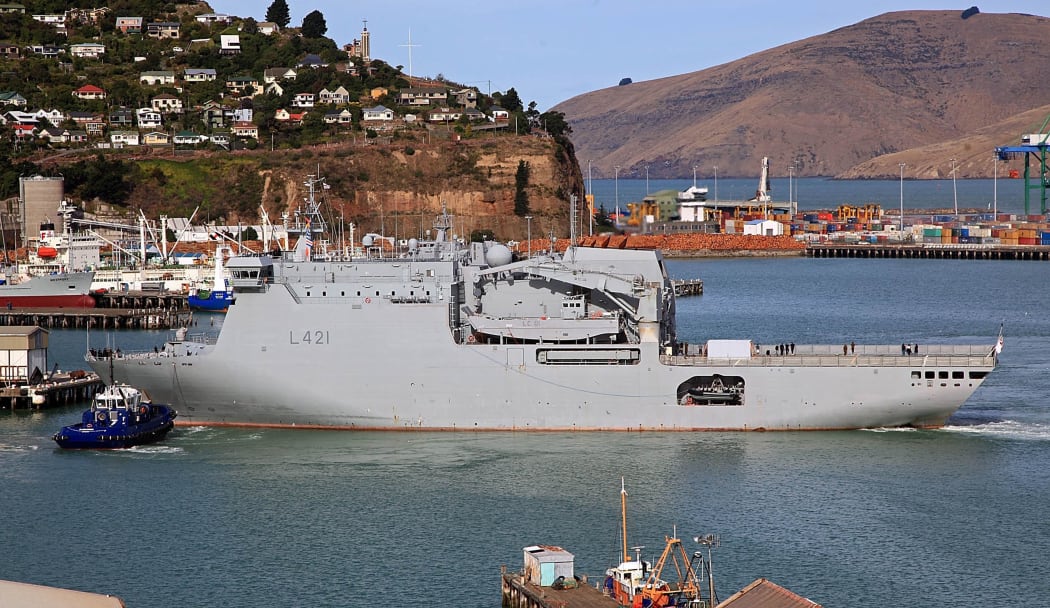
pixel 89 91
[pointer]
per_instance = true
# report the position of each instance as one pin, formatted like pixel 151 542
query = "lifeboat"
pixel 47 252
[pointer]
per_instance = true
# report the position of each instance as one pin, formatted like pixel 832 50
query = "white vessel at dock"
pixel 448 335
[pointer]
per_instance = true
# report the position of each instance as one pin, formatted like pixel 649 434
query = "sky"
pixel 552 50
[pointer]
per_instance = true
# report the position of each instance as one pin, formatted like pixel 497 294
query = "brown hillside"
pixel 890 83
pixel 973 153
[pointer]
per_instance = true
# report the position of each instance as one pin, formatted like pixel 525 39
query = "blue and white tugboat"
pixel 118 418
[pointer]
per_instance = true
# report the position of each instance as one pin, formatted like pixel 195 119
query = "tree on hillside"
pixel 554 123
pixel 278 13
pixel 314 25
pixel 250 26
pixel 521 195
pixel 509 100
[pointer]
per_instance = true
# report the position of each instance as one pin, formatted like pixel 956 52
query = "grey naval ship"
pixel 447 335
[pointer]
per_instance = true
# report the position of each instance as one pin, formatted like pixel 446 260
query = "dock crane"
pixel 1035 148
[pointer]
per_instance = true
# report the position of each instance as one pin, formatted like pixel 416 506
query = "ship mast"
pixel 623 517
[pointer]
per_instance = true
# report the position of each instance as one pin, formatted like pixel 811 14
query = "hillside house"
pixel 312 61
pixel 444 115
pixel 148 118
pixel 166 103
pixel 245 129
pixel 129 25
pixel 338 118
pixel 12 8
pixel 413 96
pixel 268 28
pixel 89 50
pixel 55 117
pixel 275 89
pixel 89 91
pixel 124 138
pixel 378 114
pixel 212 18
pixel 48 51
pixel 498 114
pixel 156 138
pixel 339 96
pixel 93 126
pixel 189 138
pixel 57 21
pixel 303 100
pixel 282 115
pixel 157 78
pixel 220 139
pixel 11 98
pixel 10 50
pixel 121 117
pixel 163 29
pixel 54 135
pixel 244 86
pixel 276 74
pixel 467 98
pixel 229 44
pixel 199 75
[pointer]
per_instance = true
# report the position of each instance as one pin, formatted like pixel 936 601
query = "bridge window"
pixel 958 375
pixel 942 375
pixel 977 375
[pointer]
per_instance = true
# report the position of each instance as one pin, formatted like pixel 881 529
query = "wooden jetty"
pixel 143 299
pixel 519 593
pixel 102 318
pixel 950 251
pixel 688 287
pixel 60 389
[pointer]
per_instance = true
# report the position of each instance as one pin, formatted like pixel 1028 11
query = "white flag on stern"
pixel 999 342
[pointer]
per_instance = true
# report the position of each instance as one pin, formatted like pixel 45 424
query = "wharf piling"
pixel 60 389
pixel 519 593
pixel 928 250
pixel 101 318
pixel 688 287
pixel 143 299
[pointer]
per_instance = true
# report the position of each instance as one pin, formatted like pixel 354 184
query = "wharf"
pixel 60 389
pixel 518 593
pixel 143 299
pixel 928 250
pixel 102 318
pixel 688 287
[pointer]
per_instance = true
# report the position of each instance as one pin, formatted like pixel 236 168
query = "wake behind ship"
pixel 460 336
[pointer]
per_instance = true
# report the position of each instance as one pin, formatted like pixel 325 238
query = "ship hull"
pixel 65 290
pixel 369 366
pixel 215 301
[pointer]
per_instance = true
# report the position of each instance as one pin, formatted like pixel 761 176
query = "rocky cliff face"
pixel 396 189
pixel 827 103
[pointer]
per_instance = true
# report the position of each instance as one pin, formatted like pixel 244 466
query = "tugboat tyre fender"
pixel 142 410
pixel 471 339
pixel 101 416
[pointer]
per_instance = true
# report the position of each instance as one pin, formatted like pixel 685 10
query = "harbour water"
pixel 240 517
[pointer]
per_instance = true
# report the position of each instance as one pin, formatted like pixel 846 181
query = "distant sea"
pixel 1006 195
pixel 232 518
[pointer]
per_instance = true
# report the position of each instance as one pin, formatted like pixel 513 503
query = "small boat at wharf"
pixel 118 418
pixel 636 583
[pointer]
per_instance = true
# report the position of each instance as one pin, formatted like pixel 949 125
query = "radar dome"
pixel 498 255
pixel 367 240
pixel 413 244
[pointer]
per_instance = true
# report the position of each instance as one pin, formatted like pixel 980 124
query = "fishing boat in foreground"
pixel 118 418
